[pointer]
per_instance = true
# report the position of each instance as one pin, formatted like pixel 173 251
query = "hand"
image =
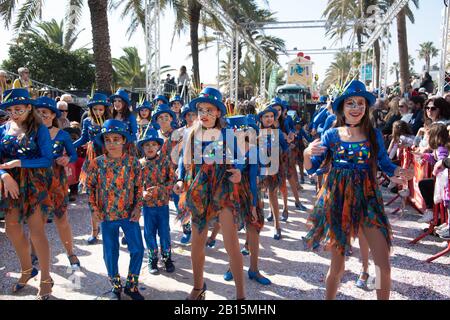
pixel 178 187
pixel 235 175
pixel 149 193
pixel 291 137
pixel 407 174
pixel 254 215
pixel 63 161
pixel 11 187
pixel 315 148
pixel 98 216
pixel 398 180
pixel 10 165
pixel 135 216
pixel 313 132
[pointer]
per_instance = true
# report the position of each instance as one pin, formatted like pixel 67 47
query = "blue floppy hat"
pixel 162 98
pixel 14 97
pixel 270 108
pixel 176 98
pixel 151 135
pixel 251 120
pixel 113 126
pixel 238 122
pixel 210 95
pixel 122 94
pixel 47 103
pixel 163 108
pixel 99 99
pixel 185 110
pixel 276 102
pixel 354 89
pixel 145 105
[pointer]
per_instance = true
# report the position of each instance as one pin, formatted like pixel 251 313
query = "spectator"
pixel 415 83
pixel 67 98
pixel 427 83
pixel 64 108
pixel 169 85
pixel 5 83
pixel 392 116
pixel 447 97
pixel 437 110
pixel 416 121
pixel 379 113
pixel 24 80
pixel 183 82
pixel 405 110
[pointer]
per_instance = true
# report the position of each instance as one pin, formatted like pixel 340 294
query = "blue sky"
pixel 426 28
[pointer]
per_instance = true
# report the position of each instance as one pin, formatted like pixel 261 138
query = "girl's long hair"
pixel 93 117
pixel 31 123
pixel 438 136
pixel 125 111
pixel 400 128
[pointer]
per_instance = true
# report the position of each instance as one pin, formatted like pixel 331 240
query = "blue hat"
pixel 99 99
pixel 48 103
pixel 160 97
pixel 185 110
pixel 176 98
pixel 323 99
pixel 267 110
pixel 145 105
pixel 276 102
pixel 122 94
pixel 238 122
pixel 285 105
pixel 251 120
pixel 113 126
pixel 210 95
pixel 164 108
pixel 14 97
pixel 354 89
pixel 151 135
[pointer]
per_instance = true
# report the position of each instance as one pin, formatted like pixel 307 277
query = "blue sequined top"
pixel 352 155
pixel 90 130
pixel 132 126
pixel 63 141
pixel 33 152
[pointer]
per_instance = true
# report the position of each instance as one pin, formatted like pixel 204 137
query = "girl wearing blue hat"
pixel 63 154
pixel 98 113
pixel 144 116
pixel 210 189
pixel 26 176
pixel 122 112
pixel 350 200
pixel 271 139
pixel 175 105
pixel 115 197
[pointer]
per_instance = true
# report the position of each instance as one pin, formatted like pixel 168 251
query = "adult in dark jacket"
pixel 416 121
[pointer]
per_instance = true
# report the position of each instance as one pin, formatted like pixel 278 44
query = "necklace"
pixel 50 128
pixel 352 125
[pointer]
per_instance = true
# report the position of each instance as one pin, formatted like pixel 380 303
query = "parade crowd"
pixel 216 163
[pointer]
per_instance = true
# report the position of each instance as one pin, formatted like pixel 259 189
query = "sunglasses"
pixel 431 108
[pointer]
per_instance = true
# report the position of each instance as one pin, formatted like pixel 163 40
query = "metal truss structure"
pixel 445 50
pixel 152 48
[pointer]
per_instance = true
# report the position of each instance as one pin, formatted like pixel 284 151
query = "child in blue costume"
pixel 98 113
pixel 63 154
pixel 121 103
pixel 210 189
pixel 144 117
pixel 246 132
pixel 272 144
pixel 176 103
pixel 350 199
pixel 26 176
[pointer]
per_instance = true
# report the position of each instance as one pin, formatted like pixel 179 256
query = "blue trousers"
pixel 111 247
pixel 176 199
pixel 156 220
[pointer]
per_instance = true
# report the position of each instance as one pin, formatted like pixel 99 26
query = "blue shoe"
pixel 186 238
pixel 228 276
pixel 300 206
pixel 34 259
pixel 270 218
pixel 284 216
pixel 93 240
pixel 211 243
pixel 258 278
pixel 33 272
pixel 245 251
pixel 361 283
pixel 277 236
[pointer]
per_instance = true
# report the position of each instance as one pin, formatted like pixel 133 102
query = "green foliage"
pixel 50 63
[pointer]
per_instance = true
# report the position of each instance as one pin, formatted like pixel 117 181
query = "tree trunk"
pixel 428 62
pixel 194 19
pixel 376 68
pixel 403 50
pixel 101 47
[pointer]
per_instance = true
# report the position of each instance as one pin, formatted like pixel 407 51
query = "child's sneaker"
pixel 131 288
pixel 186 238
pixel 153 266
pixel 116 289
pixel 211 243
pixel 168 263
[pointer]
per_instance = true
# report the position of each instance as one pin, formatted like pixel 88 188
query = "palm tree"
pixel 53 32
pixel 339 71
pixel 427 52
pixel 395 68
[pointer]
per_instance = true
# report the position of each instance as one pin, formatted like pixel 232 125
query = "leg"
pixel 293 183
pixel 273 199
pixel 284 194
pixel 65 233
pixel 214 232
pixel 111 247
pixel 150 231
pixel 253 244
pixel 335 273
pixel 198 259
pixel 380 252
pixel 231 243
pixel 36 223
pixel 164 238
pixel 21 244
pixel 364 249
pixel 132 232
